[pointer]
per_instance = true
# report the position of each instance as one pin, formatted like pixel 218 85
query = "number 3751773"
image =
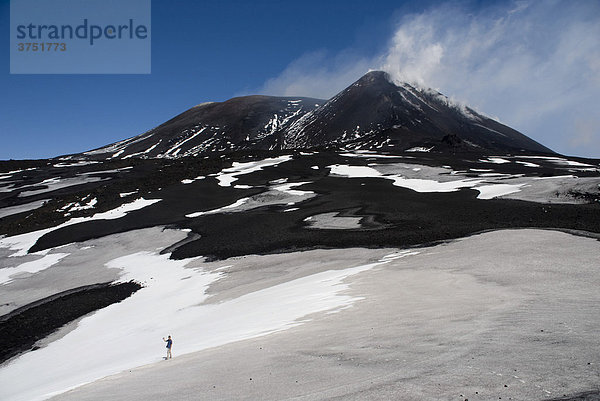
pixel 41 47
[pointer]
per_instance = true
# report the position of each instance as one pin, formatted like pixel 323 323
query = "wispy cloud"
pixel 318 74
pixel 533 64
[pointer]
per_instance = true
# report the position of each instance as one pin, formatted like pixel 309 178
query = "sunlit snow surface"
pixel 8 211
pixel 47 260
pixel 23 242
pixel 271 197
pixel 416 184
pixel 487 183
pixel 495 190
pixel 127 334
pixel 235 204
pixel 229 175
pixel 53 184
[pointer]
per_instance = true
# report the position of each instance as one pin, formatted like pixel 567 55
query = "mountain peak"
pixel 375 113
pixel 375 81
pixel 375 77
pixel 372 113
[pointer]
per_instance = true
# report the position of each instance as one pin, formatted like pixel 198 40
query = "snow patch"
pixel 287 188
pixel 369 154
pixel 229 175
pixel 416 184
pixel 88 205
pixel 52 184
pixel 495 160
pixel 237 203
pixel 332 221
pixel 76 164
pixel 189 181
pixel 419 149
pixel 8 274
pixel 8 211
pixel 495 190
pixel 555 177
pixel 128 334
pixel 120 211
pixel 23 242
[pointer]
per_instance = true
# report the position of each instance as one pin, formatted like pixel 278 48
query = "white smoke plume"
pixel 533 64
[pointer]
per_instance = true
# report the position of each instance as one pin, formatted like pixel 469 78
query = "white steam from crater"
pixel 533 64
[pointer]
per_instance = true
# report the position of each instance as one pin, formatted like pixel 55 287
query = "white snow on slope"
pixel 495 160
pixel 75 164
pixel 175 149
pixel 120 211
pixel 78 206
pixel 554 177
pixel 370 154
pixel 416 184
pixel 115 170
pixel 333 221
pixel 23 242
pixel 229 175
pixel 527 164
pixel 118 146
pixel 9 174
pixel 190 180
pixel 419 149
pixel 127 334
pixel 7 188
pixel 560 161
pixel 53 184
pixel 287 188
pixel 237 203
pixel 8 211
pixel 143 152
pixel 119 153
pixel 9 273
pixel 487 190
pixel 258 200
pixel 495 190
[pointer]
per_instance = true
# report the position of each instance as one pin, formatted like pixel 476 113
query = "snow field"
pixel 23 242
pixel 128 334
pixel 486 190
pixel 256 201
pixel 47 260
pixel 227 176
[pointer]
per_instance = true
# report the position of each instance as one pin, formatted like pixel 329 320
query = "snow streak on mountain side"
pixel 250 122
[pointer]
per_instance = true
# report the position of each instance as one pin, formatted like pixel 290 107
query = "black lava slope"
pixel 397 216
pixel 22 328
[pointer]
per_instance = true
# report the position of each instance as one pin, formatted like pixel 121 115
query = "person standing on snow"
pixel 169 342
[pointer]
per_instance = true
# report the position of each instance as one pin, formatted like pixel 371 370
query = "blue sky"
pixel 534 65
